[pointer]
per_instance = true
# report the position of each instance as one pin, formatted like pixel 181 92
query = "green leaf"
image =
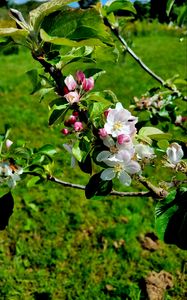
pixel 86 165
pixel 33 181
pixel 35 80
pixel 116 5
pixel 146 134
pixel 182 18
pixel 147 131
pixel 47 149
pixel 81 149
pixel 163 144
pixel 78 52
pixel 68 42
pixel 163 136
pixel 171 218
pixel 169 6
pixel 96 112
pixel 6 209
pixel 72 25
pixel 97 187
pixel 18 35
pixel 37 15
pixel 58 113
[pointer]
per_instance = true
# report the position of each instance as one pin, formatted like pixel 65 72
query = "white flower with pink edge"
pixel 120 121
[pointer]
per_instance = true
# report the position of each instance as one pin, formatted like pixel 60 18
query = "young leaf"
pixel 6 209
pixel 47 149
pixel 34 78
pixel 169 6
pixel 58 113
pixel 37 15
pixel 18 35
pixel 97 187
pixel 116 5
pixel 62 41
pixel 171 219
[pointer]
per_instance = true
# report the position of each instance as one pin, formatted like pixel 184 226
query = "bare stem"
pixel 138 60
pixel 155 191
pixel 113 193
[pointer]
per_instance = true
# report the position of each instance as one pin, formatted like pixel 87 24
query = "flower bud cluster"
pixel 73 123
pixel 9 174
pixel 123 152
pixel 76 87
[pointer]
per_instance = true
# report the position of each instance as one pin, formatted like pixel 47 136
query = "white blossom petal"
pixel 108 174
pixel 133 167
pixel 174 153
pixel 103 155
pixel 124 178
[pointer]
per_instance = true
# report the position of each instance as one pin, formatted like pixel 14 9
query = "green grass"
pixel 58 245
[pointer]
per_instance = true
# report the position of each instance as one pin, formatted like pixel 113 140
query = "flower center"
pixel 117 125
pixel 118 168
pixel 113 149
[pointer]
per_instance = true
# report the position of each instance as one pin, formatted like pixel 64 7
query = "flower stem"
pixel 112 193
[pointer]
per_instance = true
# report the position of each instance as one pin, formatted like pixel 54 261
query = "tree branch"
pixel 138 60
pixel 112 193
pixel 53 71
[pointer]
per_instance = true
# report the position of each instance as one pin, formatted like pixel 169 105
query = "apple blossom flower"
pixel 120 121
pixel 88 84
pixel 72 97
pixel 9 174
pixel 8 143
pixel 144 151
pixel 70 83
pixel 78 126
pixel 174 153
pixel 114 148
pixel 121 165
pixel 80 77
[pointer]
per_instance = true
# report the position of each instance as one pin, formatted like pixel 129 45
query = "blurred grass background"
pixel 58 245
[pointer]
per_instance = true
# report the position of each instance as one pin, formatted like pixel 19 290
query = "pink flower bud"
pixel 78 126
pixel 72 97
pixel 88 84
pixel 8 143
pixel 70 83
pixel 102 133
pixel 66 91
pixel 72 119
pixel 106 113
pixel 75 113
pixel 80 77
pixel 65 131
pixel 123 138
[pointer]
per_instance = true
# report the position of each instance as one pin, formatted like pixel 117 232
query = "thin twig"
pixel 113 193
pixel 138 60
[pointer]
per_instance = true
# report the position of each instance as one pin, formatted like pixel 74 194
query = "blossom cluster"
pixel 74 90
pixel 123 152
pixel 9 174
pixel 73 123
pixel 76 87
